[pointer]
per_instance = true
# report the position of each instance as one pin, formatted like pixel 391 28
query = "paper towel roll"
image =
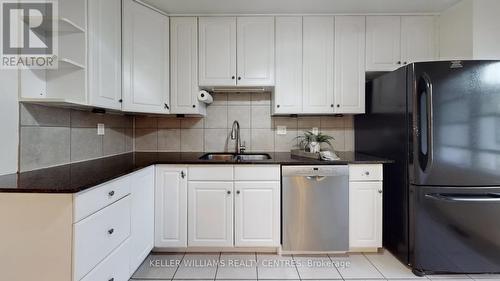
pixel 205 97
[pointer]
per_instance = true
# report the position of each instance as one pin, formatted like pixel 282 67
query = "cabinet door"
pixel 383 43
pixel 142 216
pixel 365 214
pixel 210 213
pixel 184 65
pixel 257 214
pixel 349 64
pixel 171 206
pixel 418 38
pixel 318 56
pixel 104 46
pixel 145 59
pixel 217 53
pixel 288 90
pixel 255 50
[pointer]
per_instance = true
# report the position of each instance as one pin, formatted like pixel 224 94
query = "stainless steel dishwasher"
pixel 315 208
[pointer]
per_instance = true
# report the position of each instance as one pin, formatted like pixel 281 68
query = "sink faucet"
pixel 235 135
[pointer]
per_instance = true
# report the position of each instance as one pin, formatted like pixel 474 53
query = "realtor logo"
pixel 29 34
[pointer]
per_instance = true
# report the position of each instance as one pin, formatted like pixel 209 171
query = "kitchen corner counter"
pixel 72 178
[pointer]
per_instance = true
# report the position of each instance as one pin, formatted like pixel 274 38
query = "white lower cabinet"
pixel 257 214
pixel 217 206
pixel 115 236
pixel 171 206
pixel 365 208
pixel 210 214
pixel 142 217
pixel 112 267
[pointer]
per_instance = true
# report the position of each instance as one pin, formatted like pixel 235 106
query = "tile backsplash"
pixel 52 136
pixel 258 129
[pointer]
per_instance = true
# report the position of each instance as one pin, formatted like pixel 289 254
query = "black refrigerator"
pixel 440 122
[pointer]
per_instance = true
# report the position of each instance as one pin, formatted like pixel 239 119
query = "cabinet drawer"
pixel 210 173
pixel 92 200
pixel 114 267
pixel 99 234
pixel 365 172
pixel 257 172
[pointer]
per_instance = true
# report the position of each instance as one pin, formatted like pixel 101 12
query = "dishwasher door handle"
pixel 316 178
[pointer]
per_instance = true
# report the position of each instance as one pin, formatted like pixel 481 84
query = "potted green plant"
pixel 312 142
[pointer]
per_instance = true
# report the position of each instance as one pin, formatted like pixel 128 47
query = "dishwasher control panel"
pixel 322 170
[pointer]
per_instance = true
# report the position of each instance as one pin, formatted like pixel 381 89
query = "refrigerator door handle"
pixel 430 120
pixel 465 197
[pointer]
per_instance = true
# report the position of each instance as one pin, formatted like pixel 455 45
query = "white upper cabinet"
pixel 418 38
pixel 318 62
pixel 383 43
pixel 210 214
pixel 219 45
pixel 145 59
pixel 255 51
pixel 349 64
pixel 257 214
pixel 287 98
pixel 171 206
pixel 184 66
pixel 104 58
pixel 217 51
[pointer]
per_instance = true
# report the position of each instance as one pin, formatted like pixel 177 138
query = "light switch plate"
pixel 315 130
pixel 100 129
pixel 281 130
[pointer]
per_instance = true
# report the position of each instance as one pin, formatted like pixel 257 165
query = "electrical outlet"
pixel 315 131
pixel 281 130
pixel 100 129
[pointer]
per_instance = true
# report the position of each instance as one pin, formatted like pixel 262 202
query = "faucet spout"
pixel 235 135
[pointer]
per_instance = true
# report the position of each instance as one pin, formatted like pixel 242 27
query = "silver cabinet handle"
pixel 111 230
pixel 111 193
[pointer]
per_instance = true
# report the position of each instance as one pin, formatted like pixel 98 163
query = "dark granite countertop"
pixel 76 177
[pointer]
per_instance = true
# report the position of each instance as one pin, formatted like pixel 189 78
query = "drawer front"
pixel 114 267
pixel 91 201
pixel 99 234
pixel 365 172
pixel 257 172
pixel 210 173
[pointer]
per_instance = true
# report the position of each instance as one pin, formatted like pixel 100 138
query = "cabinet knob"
pixel 111 193
pixel 120 100
pixel 405 62
pixel 380 191
pixel 278 106
pixel 111 279
pixel 338 105
pixel 110 231
pixel 239 78
pixel 232 77
pixel 229 192
pixel 331 105
pixel 237 192
pixel 183 175
pixel 194 106
pixel 399 62
pixel 367 173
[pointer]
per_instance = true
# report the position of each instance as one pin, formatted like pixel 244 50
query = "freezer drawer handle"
pixel 490 197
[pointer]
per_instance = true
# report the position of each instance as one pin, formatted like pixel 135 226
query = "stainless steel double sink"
pixel 235 157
